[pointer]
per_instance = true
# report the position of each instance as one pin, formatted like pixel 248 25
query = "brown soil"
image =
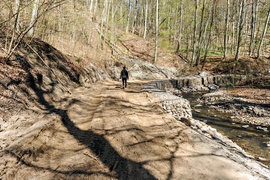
pixel 251 95
pixel 245 65
pixel 105 132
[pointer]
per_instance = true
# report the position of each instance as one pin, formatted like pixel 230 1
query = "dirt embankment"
pixel 35 68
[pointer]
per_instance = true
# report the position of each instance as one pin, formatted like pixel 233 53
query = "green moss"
pixel 78 60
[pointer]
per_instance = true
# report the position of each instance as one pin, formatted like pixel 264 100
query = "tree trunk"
pixel 121 15
pixel 107 6
pixel 205 30
pixel 225 40
pixel 34 17
pixel 91 9
pixel 234 13
pixel 240 28
pixel 210 32
pixel 200 36
pixel 157 31
pixel 195 32
pixel 17 20
pixel 128 17
pixel 113 13
pixel 180 27
pixel 264 33
pixel 254 10
pixel 103 20
pixel 145 19
pixel 95 9
pixel 135 14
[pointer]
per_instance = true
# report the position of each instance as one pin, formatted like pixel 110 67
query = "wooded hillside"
pixel 91 29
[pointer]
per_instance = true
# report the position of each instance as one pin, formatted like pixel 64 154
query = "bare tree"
pixel 34 17
pixel 91 9
pixel 264 32
pixel 195 32
pixel 233 17
pixel 128 17
pixel 135 14
pixel 254 10
pixel 17 19
pixel 200 36
pixel 208 41
pixel 180 26
pixel 157 31
pixel 240 27
pixel 145 18
pixel 226 29
pixel 19 36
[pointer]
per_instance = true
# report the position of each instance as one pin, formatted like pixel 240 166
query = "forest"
pixel 197 103
pixel 194 29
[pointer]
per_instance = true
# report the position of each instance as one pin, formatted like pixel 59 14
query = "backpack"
pixel 124 73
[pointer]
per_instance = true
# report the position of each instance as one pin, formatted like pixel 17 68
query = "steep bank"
pixel 35 68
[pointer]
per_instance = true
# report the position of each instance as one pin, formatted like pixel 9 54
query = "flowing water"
pixel 251 139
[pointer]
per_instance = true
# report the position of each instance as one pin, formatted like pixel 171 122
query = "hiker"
pixel 124 77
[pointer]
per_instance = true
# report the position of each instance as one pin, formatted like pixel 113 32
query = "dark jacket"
pixel 124 74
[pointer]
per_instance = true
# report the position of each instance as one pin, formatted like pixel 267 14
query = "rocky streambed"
pixel 242 110
pixel 181 110
pixel 213 112
pixel 252 135
pixel 213 95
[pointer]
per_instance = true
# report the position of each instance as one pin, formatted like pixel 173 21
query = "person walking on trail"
pixel 124 77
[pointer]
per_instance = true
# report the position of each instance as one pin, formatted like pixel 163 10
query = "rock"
pixel 204 74
pixel 186 121
pixel 261 159
pixel 262 128
pixel 258 111
pixel 199 125
pixel 214 94
pixel 218 136
pixel 164 107
pixel 144 70
pixel 205 129
pixel 245 126
pixel 212 87
pixel 268 144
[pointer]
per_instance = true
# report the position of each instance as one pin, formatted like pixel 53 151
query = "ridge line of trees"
pixel 195 29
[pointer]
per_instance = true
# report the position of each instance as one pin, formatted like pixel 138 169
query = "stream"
pixel 249 137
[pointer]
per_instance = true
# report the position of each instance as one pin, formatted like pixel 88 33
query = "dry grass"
pixel 253 95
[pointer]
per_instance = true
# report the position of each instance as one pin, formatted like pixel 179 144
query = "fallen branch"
pixel 92 157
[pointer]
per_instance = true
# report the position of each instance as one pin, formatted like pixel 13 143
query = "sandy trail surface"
pixel 105 132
